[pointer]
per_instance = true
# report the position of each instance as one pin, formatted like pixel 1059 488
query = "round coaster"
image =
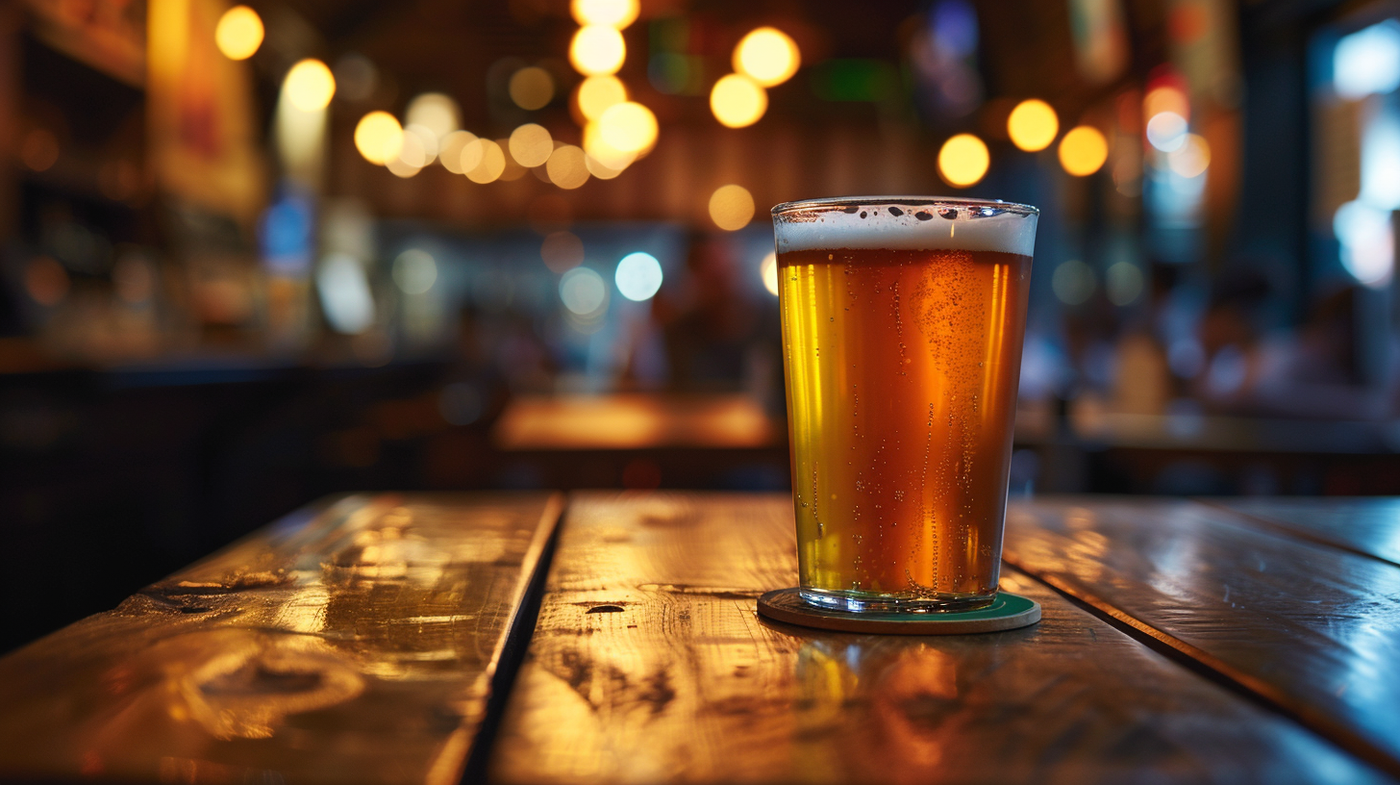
pixel 1007 612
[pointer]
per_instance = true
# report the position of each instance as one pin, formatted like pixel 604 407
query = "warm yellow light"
pixel 768 271
pixel 530 145
pixel 419 146
pixel 378 137
pixel 604 153
pixel 1192 158
pixel 1166 99
pixel 767 56
pixel 738 101
pixel 610 13
pixel 310 85
pixel 597 49
pixel 628 127
pixel 487 158
pixel 567 167
pixel 512 170
pixel 599 169
pixel 435 112
pixel 597 94
pixel 1083 151
pixel 963 160
pixel 731 207
pixel 240 33
pixel 1032 125
pixel 451 151
pixel 531 88
pixel 402 168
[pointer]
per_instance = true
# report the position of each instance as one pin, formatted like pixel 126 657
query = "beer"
pixel 903 350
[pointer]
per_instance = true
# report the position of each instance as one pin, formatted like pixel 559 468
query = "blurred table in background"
pixel 645 440
pixel 635 421
pixel 1182 641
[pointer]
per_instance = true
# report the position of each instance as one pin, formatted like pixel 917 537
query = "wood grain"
pixel 351 643
pixel 649 664
pixel 1311 629
pixel 1369 526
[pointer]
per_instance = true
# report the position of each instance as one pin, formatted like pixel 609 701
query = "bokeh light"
pixel 963 160
pixel 1123 283
pixel 609 13
pixel 343 289
pixel 628 127
pixel 420 145
pixel 415 271
pixel 731 207
pixel 1192 158
pixel 599 169
pixel 1367 237
pixel 487 161
pixel 597 49
pixel 531 88
pixel 435 112
pixel 1166 98
pixel 1073 282
pixel 531 144
pixel 240 33
pixel 597 94
pixel 450 153
pixel 1083 151
pixel 738 101
pixel 1166 131
pixel 566 167
pixel 310 85
pixel 1032 125
pixel 638 276
pixel 411 158
pixel 767 56
pixel 512 170
pixel 378 137
pixel 561 251
pixel 768 271
pixel 583 291
pixel 602 152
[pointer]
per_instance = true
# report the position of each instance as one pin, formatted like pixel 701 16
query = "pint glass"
pixel 903 319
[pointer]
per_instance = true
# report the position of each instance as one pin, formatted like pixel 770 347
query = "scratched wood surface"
pixel 350 643
pixel 1313 629
pixel 1369 526
pixel 649 664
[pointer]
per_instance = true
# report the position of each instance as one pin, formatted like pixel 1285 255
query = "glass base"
pixel 870 602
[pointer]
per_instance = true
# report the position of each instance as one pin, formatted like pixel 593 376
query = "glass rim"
pixel 802 205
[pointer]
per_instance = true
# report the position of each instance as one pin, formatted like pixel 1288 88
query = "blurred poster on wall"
pixel 203 147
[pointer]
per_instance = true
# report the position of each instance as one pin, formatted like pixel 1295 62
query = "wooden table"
pixel 612 638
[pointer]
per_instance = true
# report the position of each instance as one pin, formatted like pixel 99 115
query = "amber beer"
pixel 902 324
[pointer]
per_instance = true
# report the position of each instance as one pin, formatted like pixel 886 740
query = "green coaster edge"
pixel 1007 612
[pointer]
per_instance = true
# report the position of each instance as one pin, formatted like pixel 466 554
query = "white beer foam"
pixel 1004 232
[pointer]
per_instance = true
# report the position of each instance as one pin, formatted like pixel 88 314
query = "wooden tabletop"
pixel 370 640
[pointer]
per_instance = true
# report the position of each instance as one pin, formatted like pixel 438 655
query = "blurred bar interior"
pixel 256 254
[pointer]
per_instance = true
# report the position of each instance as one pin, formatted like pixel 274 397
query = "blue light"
pixel 1368 61
pixel 638 276
pixel 954 25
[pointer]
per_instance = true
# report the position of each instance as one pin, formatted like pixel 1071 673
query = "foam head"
pixel 912 223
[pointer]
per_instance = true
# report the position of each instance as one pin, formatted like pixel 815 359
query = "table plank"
pixel 351 643
pixel 1312 629
pixel 1369 526
pixel 649 664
